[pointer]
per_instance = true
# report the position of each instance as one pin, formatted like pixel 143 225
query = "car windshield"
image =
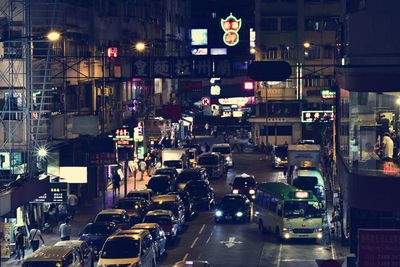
pixel 98 229
pixel 305 182
pixel 157 219
pixel 231 202
pixel 187 176
pixel 138 194
pixel 222 150
pixel 172 206
pixel 109 217
pixel 173 164
pixel 129 205
pixel 197 190
pixel 158 184
pixel 281 151
pixel 295 209
pixel 153 231
pixel 120 248
pixel 244 182
pixel 208 160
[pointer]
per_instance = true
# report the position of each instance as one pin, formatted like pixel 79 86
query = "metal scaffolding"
pixel 25 64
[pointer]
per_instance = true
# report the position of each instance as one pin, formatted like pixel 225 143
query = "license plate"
pixel 228 217
pixel 303 235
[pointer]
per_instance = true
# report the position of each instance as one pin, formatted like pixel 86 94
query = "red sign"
pixel 378 247
pixel 112 52
pixel 206 101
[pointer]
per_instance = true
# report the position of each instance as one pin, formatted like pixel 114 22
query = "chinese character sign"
pixel 231 26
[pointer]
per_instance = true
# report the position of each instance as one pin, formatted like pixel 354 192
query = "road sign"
pixel 206 101
pixel 231 242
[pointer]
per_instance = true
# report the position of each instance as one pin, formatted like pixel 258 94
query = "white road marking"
pixel 333 252
pixel 194 242
pixel 231 242
pixel 208 239
pixel 185 257
pixel 202 228
pixel 279 255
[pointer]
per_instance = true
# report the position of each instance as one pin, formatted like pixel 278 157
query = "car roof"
pixel 140 191
pixel 70 243
pixel 193 170
pixel 202 182
pixel 160 176
pixel 159 212
pixel 112 211
pixel 138 232
pixel 145 226
pixel 244 175
pixel 166 169
pixel 135 236
pixel 131 199
pixel 49 253
pixel 101 224
pixel 165 198
pixel 207 154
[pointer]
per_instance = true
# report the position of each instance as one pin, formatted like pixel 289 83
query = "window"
pixel 272 53
pixel 288 24
pixel 331 23
pixel 312 24
pixel 328 52
pixel 273 204
pixel 312 53
pixel 269 24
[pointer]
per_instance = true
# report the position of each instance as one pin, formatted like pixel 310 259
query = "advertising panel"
pixel 5 237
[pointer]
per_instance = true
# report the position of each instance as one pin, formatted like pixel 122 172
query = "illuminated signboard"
pixel 301 194
pixel 231 26
pixel 328 94
pixel 218 51
pixel 239 101
pixel 57 193
pixel 199 51
pixel 215 90
pixel 123 138
pixel 199 36
pixel 313 115
pixel 112 52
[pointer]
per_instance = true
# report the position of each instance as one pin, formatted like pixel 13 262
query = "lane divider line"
pixel 333 251
pixel 194 242
pixel 279 255
pixel 202 228
pixel 185 257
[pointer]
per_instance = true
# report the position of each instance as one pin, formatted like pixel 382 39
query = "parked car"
pixel 166 220
pixel 160 184
pixel 95 234
pixel 190 174
pixel 119 216
pixel 143 193
pixel 201 194
pixel 82 246
pixel 67 255
pixel 213 163
pixel 233 207
pixel 135 206
pixel 244 184
pixel 225 151
pixel 172 203
pixel 159 238
pixel 128 248
pixel 187 202
pixel 172 172
pixel 279 156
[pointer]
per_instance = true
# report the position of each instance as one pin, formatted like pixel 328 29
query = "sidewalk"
pixel 85 213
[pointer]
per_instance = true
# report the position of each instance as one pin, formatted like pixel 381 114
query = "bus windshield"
pixel 295 209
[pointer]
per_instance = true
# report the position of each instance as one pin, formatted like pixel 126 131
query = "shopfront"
pixel 368 158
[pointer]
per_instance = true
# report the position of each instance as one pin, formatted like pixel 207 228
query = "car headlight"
pixel 235 191
pixel 218 213
pixel 318 230
pixel 285 229
pixel 228 158
pixel 239 214
pixel 278 159
pixel 252 191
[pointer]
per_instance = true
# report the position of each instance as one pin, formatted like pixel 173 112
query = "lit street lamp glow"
pixel 53 36
pixel 140 46
pixel 42 152
pixel 252 50
pixel 307 45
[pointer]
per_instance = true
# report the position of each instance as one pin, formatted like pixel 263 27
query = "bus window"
pixel 279 209
pixel 273 204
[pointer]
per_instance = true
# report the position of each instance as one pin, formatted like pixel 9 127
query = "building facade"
pixel 367 110
pixel 301 32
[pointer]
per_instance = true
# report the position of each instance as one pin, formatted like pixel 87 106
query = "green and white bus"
pixel 287 211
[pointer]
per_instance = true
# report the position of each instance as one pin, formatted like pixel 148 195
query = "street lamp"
pixel 140 46
pixel 53 36
pixel 307 44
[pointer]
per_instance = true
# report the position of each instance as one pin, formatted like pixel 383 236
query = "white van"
pixel 226 151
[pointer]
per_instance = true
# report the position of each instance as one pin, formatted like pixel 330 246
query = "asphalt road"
pixel 242 244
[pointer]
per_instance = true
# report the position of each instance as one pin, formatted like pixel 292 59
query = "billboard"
pixel 378 247
pixel 73 175
pixel 199 36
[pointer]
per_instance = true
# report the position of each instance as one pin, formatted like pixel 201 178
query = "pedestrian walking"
pixel 20 243
pixel 142 168
pixel 35 235
pixel 207 128
pixel 72 203
pixel 116 180
pixel 134 168
pixel 65 230
pixel 147 160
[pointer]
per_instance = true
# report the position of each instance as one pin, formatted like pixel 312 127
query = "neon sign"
pixel 231 25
